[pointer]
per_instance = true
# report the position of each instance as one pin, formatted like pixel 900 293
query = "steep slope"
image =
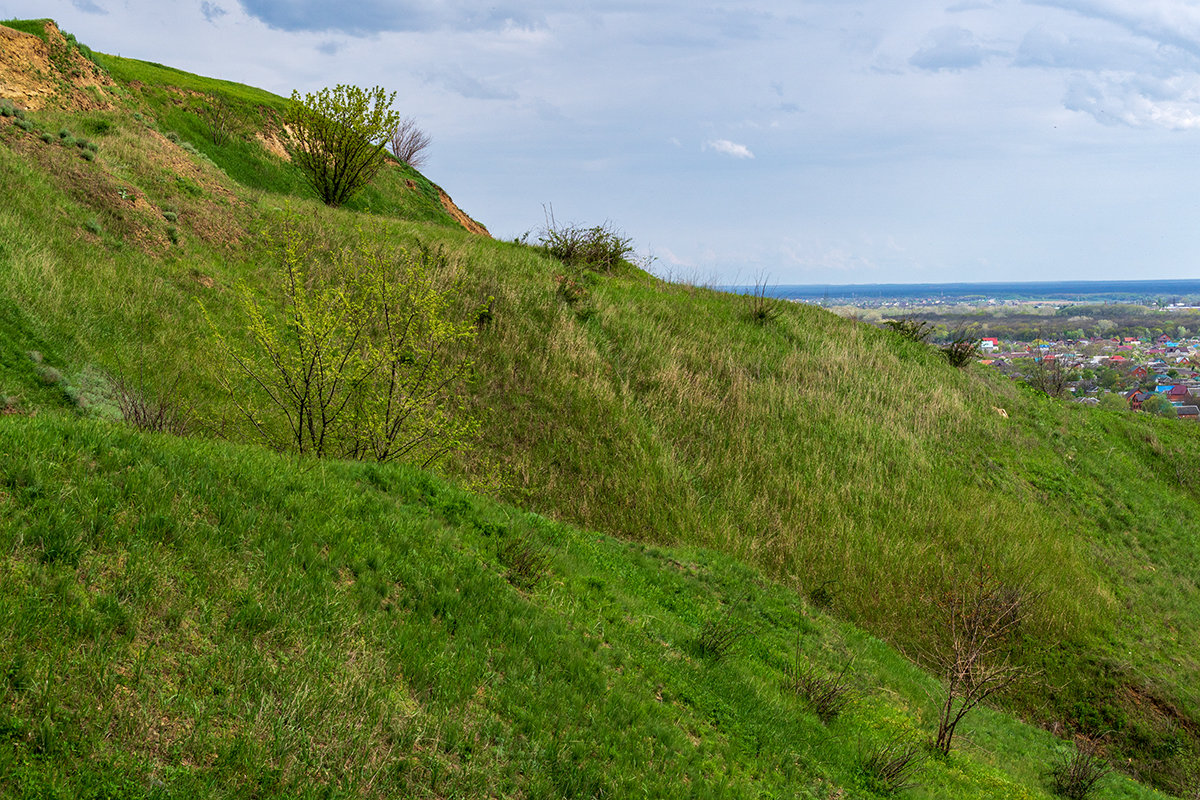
pixel 850 465
pixel 227 622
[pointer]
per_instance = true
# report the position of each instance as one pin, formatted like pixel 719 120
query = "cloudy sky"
pixel 803 141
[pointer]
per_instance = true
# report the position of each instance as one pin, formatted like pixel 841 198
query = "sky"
pixel 786 141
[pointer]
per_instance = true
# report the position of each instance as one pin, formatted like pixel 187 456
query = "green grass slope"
pixel 194 619
pixel 839 460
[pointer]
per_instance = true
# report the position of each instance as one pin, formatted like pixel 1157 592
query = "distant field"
pixel 1168 291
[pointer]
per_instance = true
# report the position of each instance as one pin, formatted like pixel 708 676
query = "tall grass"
pixel 182 617
pixel 839 459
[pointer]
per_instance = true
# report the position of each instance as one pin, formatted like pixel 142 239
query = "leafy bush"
pixel 339 136
pixel 359 357
pixel 49 375
pixel 96 126
pixel 1075 776
pixel 93 226
pixel 63 133
pixel 24 124
pixel 601 248
pixel 47 138
pixel 87 155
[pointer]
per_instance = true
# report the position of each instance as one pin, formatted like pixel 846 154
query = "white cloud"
pixel 1169 22
pixel 950 48
pixel 729 148
pixel 1138 101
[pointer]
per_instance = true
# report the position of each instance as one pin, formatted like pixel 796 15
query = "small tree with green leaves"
pixel 338 138
pixel 1159 405
pixel 358 357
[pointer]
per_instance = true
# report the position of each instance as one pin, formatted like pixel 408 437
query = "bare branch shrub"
pixel 1049 376
pixel 526 563
pixel 827 695
pixel 142 410
pixel 219 119
pixel 976 651
pixel 891 767
pixel 410 142
pixel 917 330
pixel 962 349
pixel 763 307
pixel 718 637
pixel 1075 776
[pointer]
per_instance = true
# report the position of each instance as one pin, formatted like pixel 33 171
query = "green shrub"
pixel 24 124
pixel 47 138
pixel 173 234
pixel 172 136
pixel 7 109
pixel 63 133
pixel 93 226
pixel 170 216
pixel 600 248
pixel 67 142
pixel 88 155
pixel 96 126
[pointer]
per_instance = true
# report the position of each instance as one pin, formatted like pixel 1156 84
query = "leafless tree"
pixel 410 142
pixel 975 653
pixel 1049 375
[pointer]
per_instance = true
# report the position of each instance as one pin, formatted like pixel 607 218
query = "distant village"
pixel 1157 375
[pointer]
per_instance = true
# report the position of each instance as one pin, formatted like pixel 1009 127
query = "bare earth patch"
pixel 462 219
pixel 34 74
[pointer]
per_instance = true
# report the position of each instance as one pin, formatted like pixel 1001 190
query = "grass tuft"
pixel 527 563
pixel 827 695
pixel 893 766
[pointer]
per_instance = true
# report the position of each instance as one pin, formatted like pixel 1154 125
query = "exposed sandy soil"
pixel 463 219
pixel 272 144
pixel 33 80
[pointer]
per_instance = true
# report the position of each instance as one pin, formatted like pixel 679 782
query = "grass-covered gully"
pixel 680 543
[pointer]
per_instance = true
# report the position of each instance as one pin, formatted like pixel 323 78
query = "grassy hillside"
pixel 838 461
pixel 186 618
